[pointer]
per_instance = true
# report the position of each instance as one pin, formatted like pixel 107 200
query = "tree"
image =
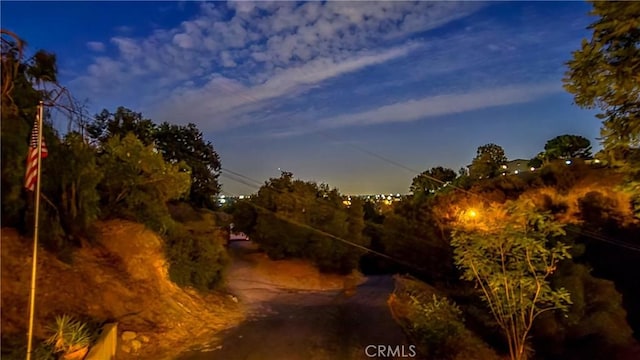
pixel 75 188
pixel 568 147
pixel 488 162
pixel 510 254
pixel 535 162
pixel 292 218
pixel 138 182
pixel 605 72
pixel 107 125
pixel 186 143
pixel 19 108
pixel 430 180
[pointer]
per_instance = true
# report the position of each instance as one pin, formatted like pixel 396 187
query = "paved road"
pixel 312 325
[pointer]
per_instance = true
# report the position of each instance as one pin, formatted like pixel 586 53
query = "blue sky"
pixel 301 86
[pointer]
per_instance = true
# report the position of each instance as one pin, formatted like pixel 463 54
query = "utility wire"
pixel 322 232
pixel 582 232
pixel 84 115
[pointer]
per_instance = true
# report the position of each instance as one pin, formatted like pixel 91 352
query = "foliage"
pixel 431 180
pixel 297 219
pixel 14 143
pixel 19 75
pixel 488 162
pixel 75 188
pixel 561 176
pixel 435 324
pixel 186 143
pixel 510 255
pixel 600 211
pixel 604 73
pixel 14 348
pixel 411 233
pixel 19 107
pixel 69 335
pixel 108 125
pixel 567 147
pixel 595 323
pixel 140 182
pixel 535 162
pixel 196 258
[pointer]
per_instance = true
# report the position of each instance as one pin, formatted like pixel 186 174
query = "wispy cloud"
pixel 430 106
pixel 263 51
pixel 96 46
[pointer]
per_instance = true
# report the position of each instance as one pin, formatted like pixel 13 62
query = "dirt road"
pixel 293 324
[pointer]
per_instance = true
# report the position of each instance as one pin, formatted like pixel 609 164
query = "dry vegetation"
pixel 124 278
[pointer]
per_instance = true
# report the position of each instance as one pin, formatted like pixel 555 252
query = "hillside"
pixel 122 278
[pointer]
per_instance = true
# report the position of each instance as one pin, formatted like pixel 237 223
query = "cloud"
pixel 263 43
pixel 228 99
pixel 431 106
pixel 96 46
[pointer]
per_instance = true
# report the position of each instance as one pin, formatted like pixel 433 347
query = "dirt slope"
pixel 123 278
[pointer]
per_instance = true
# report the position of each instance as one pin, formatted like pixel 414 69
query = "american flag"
pixel 32 158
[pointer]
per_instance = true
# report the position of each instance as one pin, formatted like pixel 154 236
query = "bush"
pixel 554 207
pixel 595 325
pixel 563 177
pixel 435 324
pixel 195 259
pixel 599 211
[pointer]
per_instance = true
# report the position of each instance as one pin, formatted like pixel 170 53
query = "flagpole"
pixel 32 297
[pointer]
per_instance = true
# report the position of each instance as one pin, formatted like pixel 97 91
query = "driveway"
pixel 290 324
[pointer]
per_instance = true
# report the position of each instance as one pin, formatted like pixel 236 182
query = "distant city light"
pixel 516 172
pixel 533 169
pixel 568 162
pixel 241 197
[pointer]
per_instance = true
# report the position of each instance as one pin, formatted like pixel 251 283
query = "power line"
pixel 402 166
pixel 60 91
pixel 321 232
pixel 424 174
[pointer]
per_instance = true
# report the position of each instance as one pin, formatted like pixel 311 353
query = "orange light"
pixel 472 213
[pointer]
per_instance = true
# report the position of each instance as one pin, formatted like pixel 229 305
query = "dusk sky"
pixel 304 86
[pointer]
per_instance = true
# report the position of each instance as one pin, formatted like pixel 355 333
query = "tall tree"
pixel 186 143
pixel 567 147
pixel 488 162
pixel 510 254
pixel 138 181
pixel 430 180
pixel 108 125
pixel 605 72
pixel 291 218
pixel 20 98
pixel 75 188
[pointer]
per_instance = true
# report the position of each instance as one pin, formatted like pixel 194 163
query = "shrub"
pixel 598 210
pixel 554 207
pixel 435 324
pixel 195 259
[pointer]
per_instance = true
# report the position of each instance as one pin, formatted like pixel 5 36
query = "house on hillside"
pixel 516 166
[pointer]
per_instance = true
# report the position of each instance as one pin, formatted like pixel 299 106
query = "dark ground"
pixel 313 325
